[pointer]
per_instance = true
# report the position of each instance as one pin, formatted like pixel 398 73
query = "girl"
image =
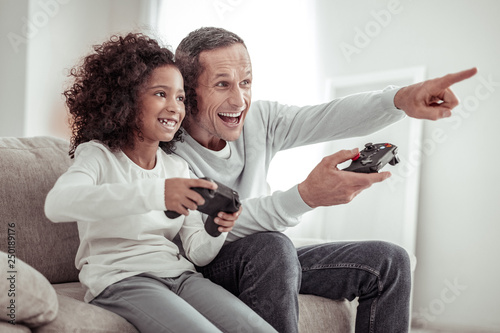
pixel 127 101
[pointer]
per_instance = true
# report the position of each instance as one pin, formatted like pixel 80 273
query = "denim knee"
pixel 398 255
pixel 396 260
pixel 275 250
pixel 274 245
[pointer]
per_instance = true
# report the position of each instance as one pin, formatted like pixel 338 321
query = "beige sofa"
pixel 39 290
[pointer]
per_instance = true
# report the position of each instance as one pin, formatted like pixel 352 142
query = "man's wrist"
pixel 304 194
pixel 398 98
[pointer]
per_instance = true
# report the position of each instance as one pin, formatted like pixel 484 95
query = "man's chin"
pixel 233 136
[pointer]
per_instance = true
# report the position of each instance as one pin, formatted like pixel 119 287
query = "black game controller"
pixel 374 157
pixel 223 199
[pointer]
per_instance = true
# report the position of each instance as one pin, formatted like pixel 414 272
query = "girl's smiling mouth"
pixel 168 123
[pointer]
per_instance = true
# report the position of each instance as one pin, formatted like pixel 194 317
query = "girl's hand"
pixel 226 220
pixel 180 197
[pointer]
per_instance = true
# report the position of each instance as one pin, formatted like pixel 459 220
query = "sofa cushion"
pixel 89 318
pixel 29 168
pixel 26 295
pixel 5 327
pixel 318 314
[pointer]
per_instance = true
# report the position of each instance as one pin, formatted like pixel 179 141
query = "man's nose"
pixel 236 98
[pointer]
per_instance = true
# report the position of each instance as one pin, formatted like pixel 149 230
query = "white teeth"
pixel 169 123
pixel 234 115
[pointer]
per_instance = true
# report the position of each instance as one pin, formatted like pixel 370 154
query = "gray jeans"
pixel 267 272
pixel 188 303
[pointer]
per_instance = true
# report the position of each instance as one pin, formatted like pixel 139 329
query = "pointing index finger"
pixel 450 79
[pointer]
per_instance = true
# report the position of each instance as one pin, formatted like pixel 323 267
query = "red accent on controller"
pixel 356 157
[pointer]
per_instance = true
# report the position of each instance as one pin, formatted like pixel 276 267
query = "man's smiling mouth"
pixel 230 117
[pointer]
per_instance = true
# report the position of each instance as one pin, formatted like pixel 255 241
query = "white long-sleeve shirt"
pixel 271 127
pixel 119 208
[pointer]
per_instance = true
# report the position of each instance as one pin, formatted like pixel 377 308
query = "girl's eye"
pixel 161 94
pixel 181 98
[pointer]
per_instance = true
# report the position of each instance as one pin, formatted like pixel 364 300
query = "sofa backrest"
pixel 29 168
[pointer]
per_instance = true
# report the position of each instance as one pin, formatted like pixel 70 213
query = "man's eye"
pixel 245 82
pixel 222 84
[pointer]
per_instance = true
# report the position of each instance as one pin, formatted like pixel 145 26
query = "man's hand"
pixel 431 99
pixel 180 197
pixel 326 185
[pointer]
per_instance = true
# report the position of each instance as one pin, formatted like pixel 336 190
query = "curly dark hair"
pixel 103 100
pixel 187 58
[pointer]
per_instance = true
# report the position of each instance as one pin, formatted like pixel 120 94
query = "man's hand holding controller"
pixel 327 185
pixel 180 198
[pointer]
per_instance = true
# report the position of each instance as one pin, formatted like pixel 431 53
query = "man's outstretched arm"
pixel 326 185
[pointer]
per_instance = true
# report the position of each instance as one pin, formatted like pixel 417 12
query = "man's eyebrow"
pixel 220 75
pixel 224 75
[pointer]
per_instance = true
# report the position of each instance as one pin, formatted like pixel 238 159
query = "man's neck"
pixel 210 142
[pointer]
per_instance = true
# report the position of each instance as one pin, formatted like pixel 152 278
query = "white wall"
pixel 41 41
pixel 459 212
pixel 12 69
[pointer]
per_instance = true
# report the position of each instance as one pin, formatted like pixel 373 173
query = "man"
pixel 233 141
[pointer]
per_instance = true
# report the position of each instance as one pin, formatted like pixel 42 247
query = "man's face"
pixel 224 93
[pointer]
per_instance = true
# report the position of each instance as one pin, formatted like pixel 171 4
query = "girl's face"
pixel 161 103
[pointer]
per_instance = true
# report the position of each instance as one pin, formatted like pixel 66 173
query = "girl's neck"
pixel 143 155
